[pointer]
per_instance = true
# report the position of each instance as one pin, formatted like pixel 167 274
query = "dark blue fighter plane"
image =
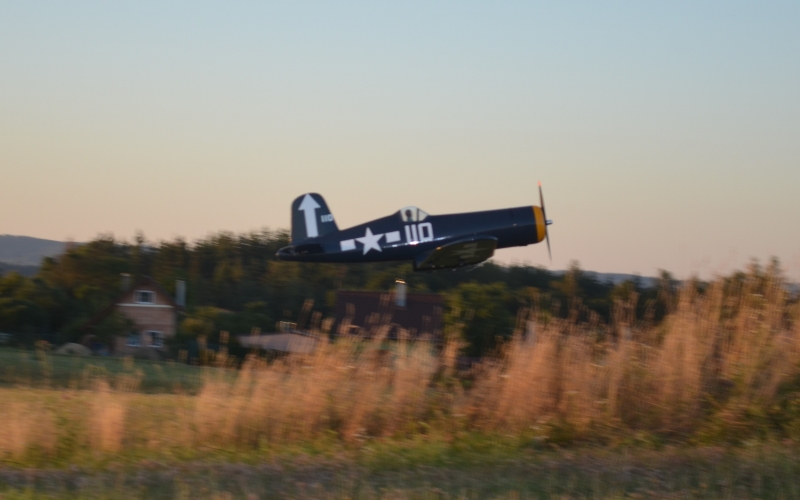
pixel 430 241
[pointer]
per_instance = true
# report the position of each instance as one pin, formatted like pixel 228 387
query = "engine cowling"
pixel 541 223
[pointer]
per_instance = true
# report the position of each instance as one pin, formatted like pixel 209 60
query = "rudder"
pixel 311 217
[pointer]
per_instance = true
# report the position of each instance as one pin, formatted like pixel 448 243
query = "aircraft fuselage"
pixel 397 237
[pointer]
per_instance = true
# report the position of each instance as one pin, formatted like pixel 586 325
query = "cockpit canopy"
pixel 412 214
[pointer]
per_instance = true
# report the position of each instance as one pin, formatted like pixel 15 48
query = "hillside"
pixel 27 251
pixel 28 271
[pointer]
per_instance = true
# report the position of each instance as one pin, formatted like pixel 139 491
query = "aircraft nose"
pixel 540 223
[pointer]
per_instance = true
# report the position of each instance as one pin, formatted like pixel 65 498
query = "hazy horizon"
pixel 665 135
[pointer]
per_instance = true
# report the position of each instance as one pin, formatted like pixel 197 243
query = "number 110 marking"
pixel 419 233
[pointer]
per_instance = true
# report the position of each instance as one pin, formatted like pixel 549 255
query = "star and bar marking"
pixel 370 241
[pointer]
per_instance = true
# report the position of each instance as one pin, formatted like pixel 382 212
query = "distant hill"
pixel 27 251
pixel 617 278
pixel 29 271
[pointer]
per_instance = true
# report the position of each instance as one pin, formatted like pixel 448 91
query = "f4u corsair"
pixel 430 241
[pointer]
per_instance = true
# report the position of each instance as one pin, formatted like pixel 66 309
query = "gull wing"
pixel 456 254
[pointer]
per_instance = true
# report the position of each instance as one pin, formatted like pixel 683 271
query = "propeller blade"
pixel 546 222
pixel 549 253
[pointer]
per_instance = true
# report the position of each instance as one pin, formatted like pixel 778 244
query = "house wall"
pixel 159 316
pixel 121 348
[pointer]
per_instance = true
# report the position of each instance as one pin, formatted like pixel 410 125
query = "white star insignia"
pixel 370 241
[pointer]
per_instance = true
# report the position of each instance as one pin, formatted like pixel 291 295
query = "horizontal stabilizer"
pixel 459 253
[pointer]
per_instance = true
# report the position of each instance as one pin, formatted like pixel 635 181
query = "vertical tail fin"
pixel 311 217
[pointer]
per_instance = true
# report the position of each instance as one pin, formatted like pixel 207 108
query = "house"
pixel 368 313
pixel 153 312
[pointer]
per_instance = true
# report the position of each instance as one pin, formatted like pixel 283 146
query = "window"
pixel 154 339
pixel 133 340
pixel 144 297
pixel 412 214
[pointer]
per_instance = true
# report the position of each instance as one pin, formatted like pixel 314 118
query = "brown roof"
pixel 144 280
pixel 364 312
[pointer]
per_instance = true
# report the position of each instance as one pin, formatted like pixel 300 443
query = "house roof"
pixel 147 280
pixel 368 310
pixel 142 281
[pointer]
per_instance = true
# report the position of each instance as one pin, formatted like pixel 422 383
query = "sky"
pixel 666 134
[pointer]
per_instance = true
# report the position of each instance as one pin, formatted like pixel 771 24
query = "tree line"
pixel 235 283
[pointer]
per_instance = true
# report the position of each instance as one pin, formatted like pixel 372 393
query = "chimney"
pixel 180 293
pixel 124 282
pixel 400 293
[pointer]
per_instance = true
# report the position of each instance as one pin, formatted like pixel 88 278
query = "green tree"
pixel 482 313
pixel 113 325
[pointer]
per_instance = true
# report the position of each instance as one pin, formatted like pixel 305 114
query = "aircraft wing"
pixel 456 254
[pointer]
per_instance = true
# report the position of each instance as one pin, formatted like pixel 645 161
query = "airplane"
pixel 431 242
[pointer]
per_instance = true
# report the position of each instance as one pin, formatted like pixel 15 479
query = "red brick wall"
pixel 161 319
pixel 159 316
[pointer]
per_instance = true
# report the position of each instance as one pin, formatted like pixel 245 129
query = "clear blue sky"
pixel 667 134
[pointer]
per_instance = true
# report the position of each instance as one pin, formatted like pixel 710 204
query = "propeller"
pixel 547 222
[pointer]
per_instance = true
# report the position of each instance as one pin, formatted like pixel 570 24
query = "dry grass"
pixel 714 367
pixel 349 387
pixel 107 419
pixel 723 352
pixel 26 426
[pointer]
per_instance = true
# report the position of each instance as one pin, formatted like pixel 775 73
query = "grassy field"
pixel 764 472
pixel 30 368
pixel 703 404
